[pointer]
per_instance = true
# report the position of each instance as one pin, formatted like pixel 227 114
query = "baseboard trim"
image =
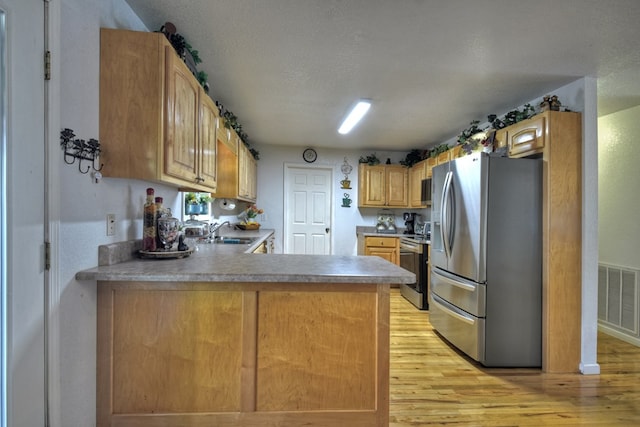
pixel 620 335
pixel 590 369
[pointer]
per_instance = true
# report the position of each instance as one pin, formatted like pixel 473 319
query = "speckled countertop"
pixel 236 263
pixel 365 231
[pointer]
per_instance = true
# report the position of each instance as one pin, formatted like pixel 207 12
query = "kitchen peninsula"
pixel 238 339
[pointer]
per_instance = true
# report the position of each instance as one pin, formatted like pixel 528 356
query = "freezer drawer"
pixel 467 295
pixel 461 329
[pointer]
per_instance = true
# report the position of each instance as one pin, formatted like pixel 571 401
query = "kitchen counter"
pixel 229 338
pixel 236 263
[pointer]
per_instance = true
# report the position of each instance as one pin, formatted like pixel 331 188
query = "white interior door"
pixel 307 210
pixel 23 218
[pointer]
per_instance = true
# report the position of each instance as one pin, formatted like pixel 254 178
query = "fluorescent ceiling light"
pixel 354 117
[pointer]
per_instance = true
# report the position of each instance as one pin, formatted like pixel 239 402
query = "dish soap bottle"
pixel 149 223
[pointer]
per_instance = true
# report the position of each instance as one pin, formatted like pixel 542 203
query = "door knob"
pixel 326 230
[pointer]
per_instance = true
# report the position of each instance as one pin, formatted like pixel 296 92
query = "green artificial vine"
pixel 414 156
pixel 371 159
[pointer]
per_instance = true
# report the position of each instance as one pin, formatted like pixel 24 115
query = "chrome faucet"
pixel 215 227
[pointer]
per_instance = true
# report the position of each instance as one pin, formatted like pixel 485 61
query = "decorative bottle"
pixel 149 223
pixel 160 212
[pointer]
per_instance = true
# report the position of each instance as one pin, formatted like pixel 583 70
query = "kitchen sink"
pixel 234 240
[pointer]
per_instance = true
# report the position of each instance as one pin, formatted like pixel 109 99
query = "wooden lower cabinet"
pixel 242 354
pixel 384 247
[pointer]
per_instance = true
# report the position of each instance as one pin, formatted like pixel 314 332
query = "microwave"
pixel 425 193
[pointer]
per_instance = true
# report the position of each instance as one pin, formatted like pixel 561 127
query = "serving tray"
pixel 165 254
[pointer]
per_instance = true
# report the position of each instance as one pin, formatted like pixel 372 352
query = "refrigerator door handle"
pixel 441 305
pixel 454 281
pixel 445 214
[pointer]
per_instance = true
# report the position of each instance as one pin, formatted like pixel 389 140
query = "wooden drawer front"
pixel 526 138
pixel 387 242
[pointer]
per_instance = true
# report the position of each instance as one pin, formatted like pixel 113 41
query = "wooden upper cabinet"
pixel 397 185
pixel 153 113
pixel 443 157
pixel 500 139
pixel 382 185
pixel 181 121
pixel 452 153
pixel 431 163
pixel 526 137
pixel 417 173
pixel 248 168
pixel 208 147
pixel 237 174
pixel 371 185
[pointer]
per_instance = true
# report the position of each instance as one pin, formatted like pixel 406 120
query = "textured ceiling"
pixel 290 69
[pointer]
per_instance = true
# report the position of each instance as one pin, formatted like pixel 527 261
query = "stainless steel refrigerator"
pixel 486 258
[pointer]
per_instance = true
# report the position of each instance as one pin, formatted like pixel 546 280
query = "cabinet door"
pixel 182 110
pixel 389 254
pixel 526 137
pixel 207 150
pixel 247 168
pixel 397 186
pixel 252 176
pixel 431 163
pixel 455 152
pixel 371 185
pixel 443 157
pixel 416 174
pixel 500 139
pixel 228 162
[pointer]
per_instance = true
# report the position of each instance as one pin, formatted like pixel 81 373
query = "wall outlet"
pixel 111 224
pixel 263 217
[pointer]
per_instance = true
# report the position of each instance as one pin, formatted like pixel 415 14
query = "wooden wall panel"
pixel 320 358
pixel 176 351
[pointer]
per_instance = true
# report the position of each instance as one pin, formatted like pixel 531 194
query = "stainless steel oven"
pixel 413 257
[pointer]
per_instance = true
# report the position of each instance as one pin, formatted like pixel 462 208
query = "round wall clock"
pixel 309 155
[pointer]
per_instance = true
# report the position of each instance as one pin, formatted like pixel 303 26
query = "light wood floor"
pixel 432 384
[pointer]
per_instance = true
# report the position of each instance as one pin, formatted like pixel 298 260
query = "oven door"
pixel 411 259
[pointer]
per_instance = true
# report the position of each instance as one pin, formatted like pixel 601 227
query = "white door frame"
pixel 33 129
pixel 285 231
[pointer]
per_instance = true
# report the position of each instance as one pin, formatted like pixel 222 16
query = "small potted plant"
pixel 196 203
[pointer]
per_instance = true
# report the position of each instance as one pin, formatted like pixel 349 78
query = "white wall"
pixel 271 192
pixel 618 183
pixel 83 204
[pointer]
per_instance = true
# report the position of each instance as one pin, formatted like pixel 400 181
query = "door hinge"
pixel 47 256
pixel 47 65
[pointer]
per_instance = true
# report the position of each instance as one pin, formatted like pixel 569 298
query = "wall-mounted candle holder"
pixel 79 149
pixel 346 169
